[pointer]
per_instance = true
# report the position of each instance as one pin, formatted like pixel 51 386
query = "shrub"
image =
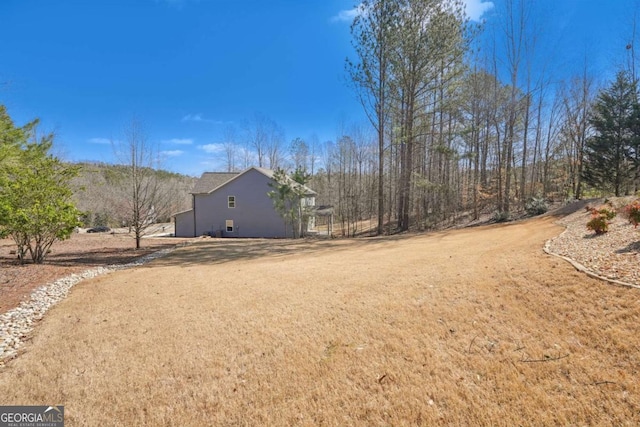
pixel 536 206
pixel 600 219
pixel 632 212
pixel 500 216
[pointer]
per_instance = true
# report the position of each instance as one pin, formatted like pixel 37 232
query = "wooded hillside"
pixel 101 193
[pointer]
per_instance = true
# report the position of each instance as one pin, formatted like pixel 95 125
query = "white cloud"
pixel 172 153
pixel 198 118
pixel 476 8
pixel 192 118
pixel 178 141
pixel 212 148
pixel 102 141
pixel 348 15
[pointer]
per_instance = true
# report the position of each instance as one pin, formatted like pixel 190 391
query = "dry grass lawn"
pixel 468 327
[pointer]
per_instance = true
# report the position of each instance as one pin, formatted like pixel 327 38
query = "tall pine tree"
pixel 608 153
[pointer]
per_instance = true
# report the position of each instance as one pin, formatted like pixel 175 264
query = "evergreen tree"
pixel 11 137
pixel 373 39
pixel 615 120
pixel 288 195
pixel 35 194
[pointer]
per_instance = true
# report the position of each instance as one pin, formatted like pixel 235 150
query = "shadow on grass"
pixel 219 251
pixel 91 257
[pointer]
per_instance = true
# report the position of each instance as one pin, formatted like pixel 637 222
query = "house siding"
pixel 253 215
pixel 184 224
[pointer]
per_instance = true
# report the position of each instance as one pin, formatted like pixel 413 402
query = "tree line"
pixel 457 134
pixel 102 194
pixel 460 124
pixel 453 135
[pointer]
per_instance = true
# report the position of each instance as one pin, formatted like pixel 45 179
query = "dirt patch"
pixel 466 327
pixel 81 252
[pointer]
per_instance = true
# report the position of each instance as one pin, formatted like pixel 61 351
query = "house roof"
pixel 211 181
pixel 323 210
pixel 182 212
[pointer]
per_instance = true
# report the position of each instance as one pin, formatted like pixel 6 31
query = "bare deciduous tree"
pixel 230 147
pixel 143 198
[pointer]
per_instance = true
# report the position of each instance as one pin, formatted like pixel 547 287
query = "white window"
pixel 309 201
pixel 231 201
pixel 229 225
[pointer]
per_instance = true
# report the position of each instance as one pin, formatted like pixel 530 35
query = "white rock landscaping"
pixel 16 324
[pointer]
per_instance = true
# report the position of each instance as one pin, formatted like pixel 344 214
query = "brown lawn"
pixel 467 327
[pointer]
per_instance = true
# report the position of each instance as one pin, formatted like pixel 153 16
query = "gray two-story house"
pixel 236 204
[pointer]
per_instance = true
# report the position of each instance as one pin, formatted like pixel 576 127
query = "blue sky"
pixel 188 69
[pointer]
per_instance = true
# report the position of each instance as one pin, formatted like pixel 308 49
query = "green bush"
pixel 536 206
pixel 499 216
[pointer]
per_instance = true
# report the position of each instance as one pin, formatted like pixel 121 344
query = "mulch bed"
pixel 81 252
